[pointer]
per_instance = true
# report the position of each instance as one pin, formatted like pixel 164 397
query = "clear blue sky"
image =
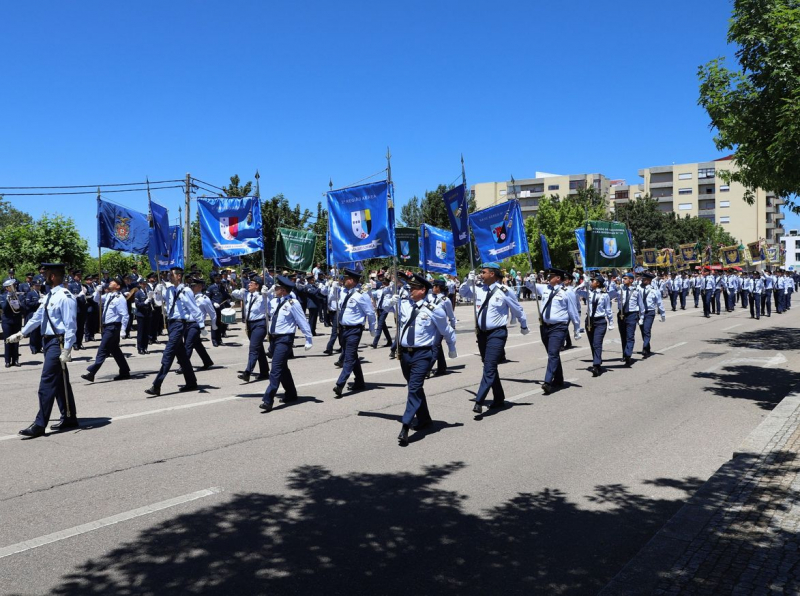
pixel 102 92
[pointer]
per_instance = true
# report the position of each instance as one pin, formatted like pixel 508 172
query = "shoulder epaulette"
pixel 291 301
pixel 430 306
pixel 504 289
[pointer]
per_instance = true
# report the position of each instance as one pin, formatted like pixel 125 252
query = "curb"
pixel 642 574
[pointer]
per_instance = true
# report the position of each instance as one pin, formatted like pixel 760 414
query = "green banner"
pixel 608 244
pixel 295 249
pixel 407 242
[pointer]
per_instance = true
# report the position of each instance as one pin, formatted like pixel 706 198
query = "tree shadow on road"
pixel 387 533
pixel 767 387
pixel 777 339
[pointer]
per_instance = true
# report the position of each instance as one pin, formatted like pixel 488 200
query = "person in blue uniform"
pixel 308 294
pixel 652 302
pixel 285 316
pixel 599 318
pixel 355 312
pixel 494 302
pixel 220 298
pixel 56 317
pixel 382 298
pixel 92 310
pixel 78 290
pixel 255 315
pixel 115 320
pixel 420 323
pixel 558 310
pixel 192 332
pixel 755 296
pixel 144 310
pixel 33 298
pixel 630 309
pixel 441 300
pixel 182 311
pixel 12 306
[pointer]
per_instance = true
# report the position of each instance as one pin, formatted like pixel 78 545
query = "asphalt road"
pixel 200 493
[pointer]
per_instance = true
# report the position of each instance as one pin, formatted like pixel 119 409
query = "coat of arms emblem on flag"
pixel 361 222
pixel 229 227
pixel 610 248
pixel 122 229
pixel 441 249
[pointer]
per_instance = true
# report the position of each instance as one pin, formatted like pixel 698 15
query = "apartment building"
pixel 695 189
pixel 791 244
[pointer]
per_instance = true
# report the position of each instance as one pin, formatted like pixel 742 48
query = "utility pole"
pixel 187 223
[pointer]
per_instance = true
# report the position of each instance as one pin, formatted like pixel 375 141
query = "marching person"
pixel 78 290
pixel 115 315
pixel 157 315
pixel 144 310
pixel 766 297
pixel 12 307
pixel 558 310
pixel 182 311
pixel 285 316
pixel 255 315
pixel 652 302
pixel 382 298
pixel 707 292
pixel 494 302
pixel 355 311
pixel 630 309
pixel 220 298
pixel 57 320
pixel 599 318
pixel 420 323
pixel 755 296
pixel 32 301
pixel 92 310
pixel 191 336
pixel 442 301
pixel 331 292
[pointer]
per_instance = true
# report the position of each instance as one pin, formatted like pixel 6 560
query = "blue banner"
pixel 455 203
pixel 120 228
pixel 548 264
pixel 230 227
pixel 161 238
pixel 226 261
pixel 580 236
pixel 175 258
pixel 361 223
pixel 437 252
pixel 499 231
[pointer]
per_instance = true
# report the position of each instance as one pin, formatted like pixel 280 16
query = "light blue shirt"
pixel 769 281
pixel 383 299
pixel 61 319
pixel 205 307
pixel 747 285
pixel 358 309
pixel 633 296
pixel 561 307
pixel 651 299
pixel 598 303
pixel 114 306
pixel 255 305
pixel 429 324
pixel 758 286
pixel 185 306
pixel 443 302
pixel 503 301
pixel 289 317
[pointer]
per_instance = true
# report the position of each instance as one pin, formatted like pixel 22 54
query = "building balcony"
pixel 666 184
pixel 621 201
pixel 709 180
pixel 664 199
pixel 770 225
pixel 706 212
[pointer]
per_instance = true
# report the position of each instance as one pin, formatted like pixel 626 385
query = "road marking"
pixel 536 391
pixel 732 327
pixel 763 362
pixel 20 547
pixel 677 345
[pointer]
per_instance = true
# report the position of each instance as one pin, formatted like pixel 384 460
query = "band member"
pixel 355 311
pixel 599 318
pixel 191 337
pixel 441 300
pixel 115 315
pixel 382 299
pixel 255 315
pixel 220 297
pixel 143 299
pixel 12 307
pixel 32 301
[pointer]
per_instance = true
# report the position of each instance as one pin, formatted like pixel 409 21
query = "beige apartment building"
pixel 530 190
pixel 695 189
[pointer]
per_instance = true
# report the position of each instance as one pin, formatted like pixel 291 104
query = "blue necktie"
pixel 274 320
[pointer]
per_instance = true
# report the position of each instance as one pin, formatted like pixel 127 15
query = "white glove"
pixel 611 326
pixel 160 288
pixel 148 300
pixel 213 327
pixel 203 332
pixel 471 276
pixel 124 335
pixel 308 346
pixel 66 355
pixel 264 290
pixel 663 318
pixel 82 292
pixel 452 354
pixel 14 339
pixel 150 295
pixel 524 330
pixel 41 300
pixel 216 305
pixel 577 336
pixel 395 300
pixel 641 321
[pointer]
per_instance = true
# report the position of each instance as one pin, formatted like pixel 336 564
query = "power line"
pixel 86 185
pixel 83 192
pixel 208 184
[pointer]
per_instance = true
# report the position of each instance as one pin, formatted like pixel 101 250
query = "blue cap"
pixel 285 282
pixel 629 274
pixel 351 273
pixel 419 281
pixel 490 265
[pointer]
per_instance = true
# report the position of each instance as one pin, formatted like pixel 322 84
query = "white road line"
pixel 536 391
pixel 677 345
pixel 732 327
pixel 20 547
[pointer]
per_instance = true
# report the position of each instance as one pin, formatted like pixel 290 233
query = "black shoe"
pixel 496 405
pixel 179 371
pixel 402 438
pixel 123 376
pixel 8 365
pixel 388 344
pixel 65 424
pixel 15 363
pixel 88 377
pixel 263 377
pixel 356 387
pixel 338 364
pixel 374 347
pixel 153 391
pixel 392 355
pixel 33 431
pixel 337 389
pixel 245 376
pixel 595 371
pixel 328 352
pixel 477 408
pixel 420 425
pixel 288 399
pixel 547 389
pixel 185 388
pixel 265 407
pixel 628 361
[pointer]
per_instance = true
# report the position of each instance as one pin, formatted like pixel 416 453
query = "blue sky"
pixel 104 92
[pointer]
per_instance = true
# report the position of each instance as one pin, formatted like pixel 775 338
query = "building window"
pixel 725 219
pixel 552 187
pixel 724 188
pixel 621 194
pixel 709 217
pixel 596 183
pixel 577 184
pixel 724 203
pixel 710 190
pixel 684 206
pixel 769 201
pixel 537 188
pixel 502 193
pixel 637 195
pixel 705 172
pixel 797 256
pixel 686 176
pixel 684 191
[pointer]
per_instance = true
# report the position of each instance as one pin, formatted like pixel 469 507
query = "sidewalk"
pixel 740 533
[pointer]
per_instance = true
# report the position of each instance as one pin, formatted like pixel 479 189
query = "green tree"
pixel 50 238
pixel 117 263
pixel 11 216
pixel 234 189
pixel 410 213
pixel 756 109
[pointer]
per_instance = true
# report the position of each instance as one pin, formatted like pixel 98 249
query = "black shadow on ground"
pixel 771 338
pixel 767 387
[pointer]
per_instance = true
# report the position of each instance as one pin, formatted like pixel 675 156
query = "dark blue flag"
pixel 361 222
pixel 499 231
pixel 161 235
pixel 230 227
pixel 455 203
pixel 548 264
pixel 123 229
pixel 437 252
pixel 226 261
pixel 175 257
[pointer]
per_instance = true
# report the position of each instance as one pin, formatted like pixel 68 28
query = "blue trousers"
pixel 281 348
pixel 51 384
pixel 350 338
pixel 383 327
pixel 627 333
pixel 745 294
pixel 766 302
pixel 673 299
pixel 696 294
pixel 717 295
pixel 645 329
pixel 109 346
pixel 731 303
pixel 142 332
pixel 415 367
pixel 437 354
pixel 258 333
pixel 334 330
pixel 707 298
pixel 194 343
pixel 755 305
pixel 553 338
pixel 175 348
pixel 684 294
pixel 10 327
pixel 491 345
pixel 596 332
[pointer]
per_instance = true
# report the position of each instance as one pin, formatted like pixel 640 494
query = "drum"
pixel 228 316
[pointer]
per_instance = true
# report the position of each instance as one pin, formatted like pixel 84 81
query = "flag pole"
pixel 99 267
pixel 394 256
pixel 158 256
pixel 465 207
pixel 530 261
pixel 258 196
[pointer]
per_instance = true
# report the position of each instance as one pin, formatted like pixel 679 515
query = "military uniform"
pixel 255 315
pixel 630 309
pixel 652 305
pixel 441 301
pixel 382 298
pixel 12 309
pixel 355 312
pixel 115 315
pixel 599 318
